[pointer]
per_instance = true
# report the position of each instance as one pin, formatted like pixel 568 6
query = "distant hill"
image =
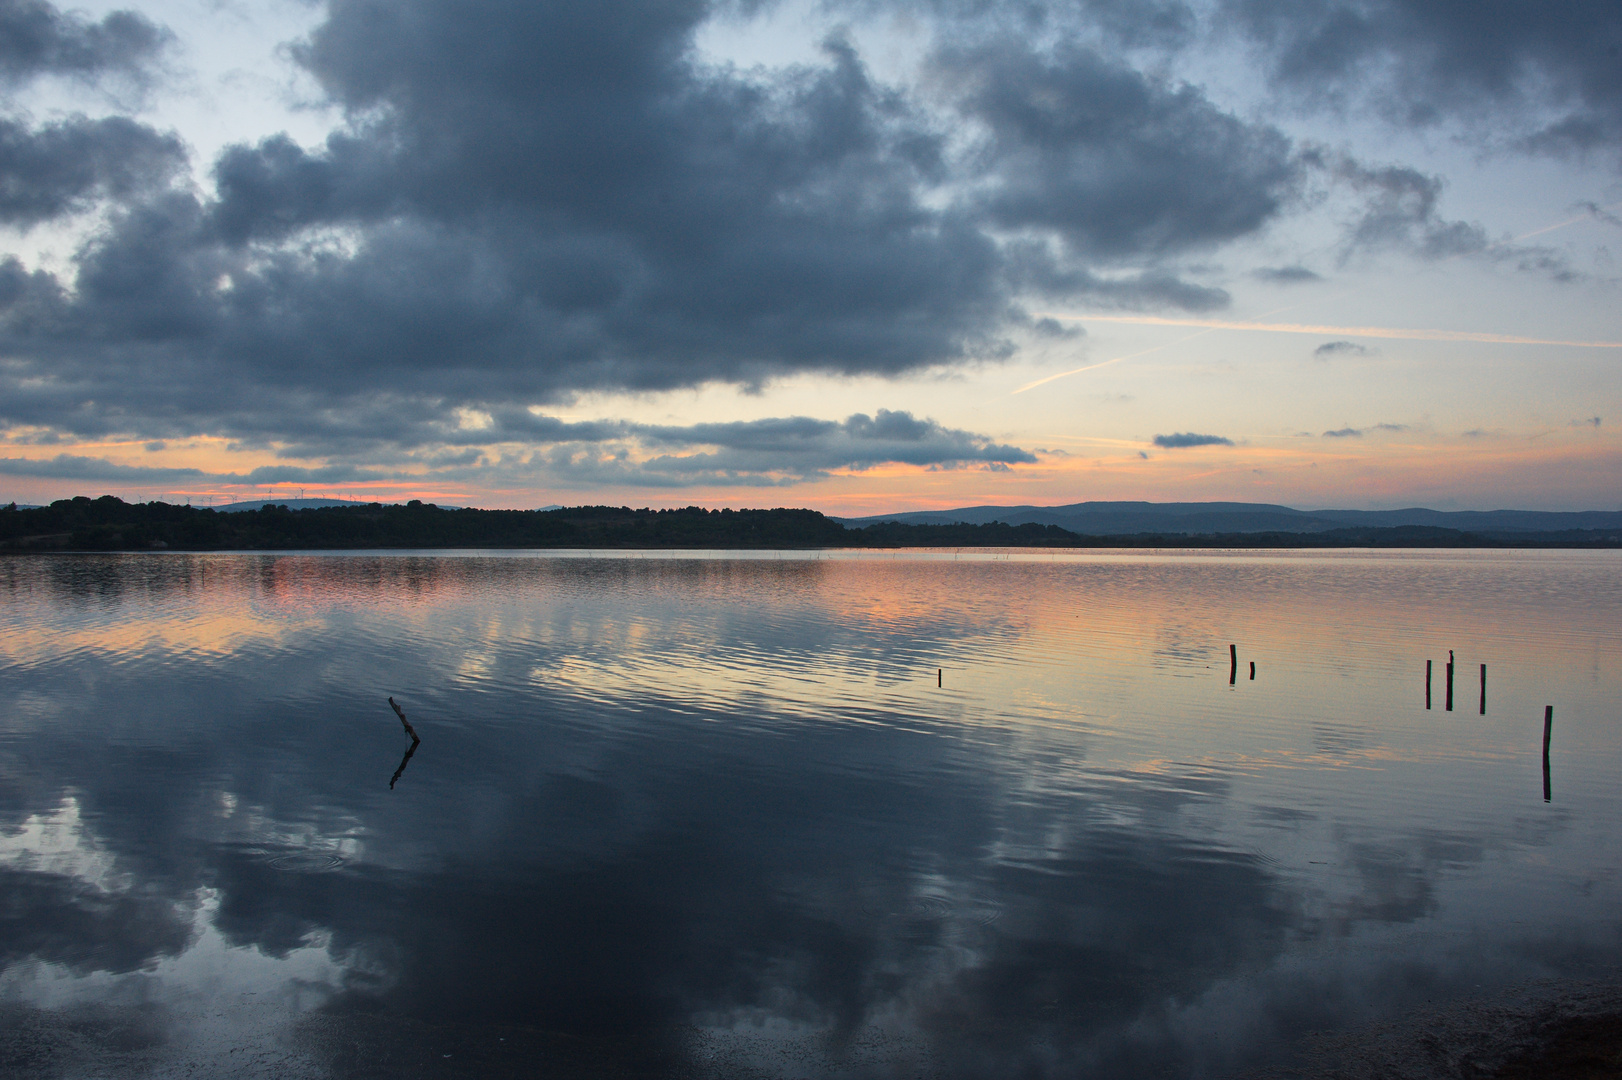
pixel 305 504
pixel 1195 519
pixel 291 504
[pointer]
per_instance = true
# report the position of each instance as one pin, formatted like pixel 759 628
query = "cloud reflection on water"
pixel 718 812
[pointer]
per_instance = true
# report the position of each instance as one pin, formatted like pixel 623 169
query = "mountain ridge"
pixel 1120 518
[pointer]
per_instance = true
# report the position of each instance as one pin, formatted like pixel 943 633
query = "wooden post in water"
pixel 1427 684
pixel 938 675
pixel 1548 729
pixel 1253 671
pixel 1450 680
pixel 1483 689
pixel 1233 664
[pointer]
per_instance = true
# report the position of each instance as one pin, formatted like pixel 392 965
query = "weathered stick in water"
pixel 938 672
pixel 1427 684
pixel 409 730
pixel 1253 671
pixel 1450 680
pixel 1483 689
pixel 1233 663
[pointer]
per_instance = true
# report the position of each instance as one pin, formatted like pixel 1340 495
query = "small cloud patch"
pixel 1287 275
pixel 1184 439
pixel 1339 348
pixel 1344 433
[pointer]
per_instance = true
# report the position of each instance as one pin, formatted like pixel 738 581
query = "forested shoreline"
pixel 110 524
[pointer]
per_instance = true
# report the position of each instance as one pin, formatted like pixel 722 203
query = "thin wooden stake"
pixel 939 675
pixel 1427 684
pixel 1233 664
pixel 1548 729
pixel 1483 689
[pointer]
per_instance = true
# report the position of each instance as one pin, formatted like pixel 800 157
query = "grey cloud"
pixel 1401 210
pixel 75 467
pixel 1187 439
pixel 1423 63
pixel 69 165
pixel 37 38
pixel 1037 268
pixel 1053 329
pixel 802 447
pixel 1120 164
pixel 1286 275
pixel 1340 348
pixel 779 451
pixel 542 198
pixel 528 201
pixel 1344 433
pixel 1112 24
pixel 1390 427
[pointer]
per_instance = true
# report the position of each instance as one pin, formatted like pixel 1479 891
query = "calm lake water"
pixel 790 814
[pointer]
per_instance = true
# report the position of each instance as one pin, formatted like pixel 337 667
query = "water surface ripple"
pixel 791 814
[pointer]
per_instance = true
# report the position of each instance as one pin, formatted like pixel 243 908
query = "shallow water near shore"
pixel 794 814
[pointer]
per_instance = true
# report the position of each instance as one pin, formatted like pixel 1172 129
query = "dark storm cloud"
pixel 532 200
pixel 71 164
pixel 37 38
pixel 1553 70
pixel 1188 438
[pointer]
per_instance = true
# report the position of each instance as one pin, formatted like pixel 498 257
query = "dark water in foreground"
pixel 712 816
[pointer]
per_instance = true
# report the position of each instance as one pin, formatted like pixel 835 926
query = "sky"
pixel 856 255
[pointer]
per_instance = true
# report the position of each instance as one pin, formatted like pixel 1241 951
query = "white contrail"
pixel 1116 360
pixel 1338 331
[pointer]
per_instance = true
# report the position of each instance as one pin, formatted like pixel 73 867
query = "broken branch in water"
pixel 412 749
pixel 409 730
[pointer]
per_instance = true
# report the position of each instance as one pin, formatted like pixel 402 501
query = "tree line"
pixel 110 524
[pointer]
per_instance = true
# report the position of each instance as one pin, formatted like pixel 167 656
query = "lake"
pixel 798 814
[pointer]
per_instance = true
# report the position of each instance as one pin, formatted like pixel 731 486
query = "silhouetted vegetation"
pixel 110 524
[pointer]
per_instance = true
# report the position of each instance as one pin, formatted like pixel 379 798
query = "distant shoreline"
pixel 109 524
